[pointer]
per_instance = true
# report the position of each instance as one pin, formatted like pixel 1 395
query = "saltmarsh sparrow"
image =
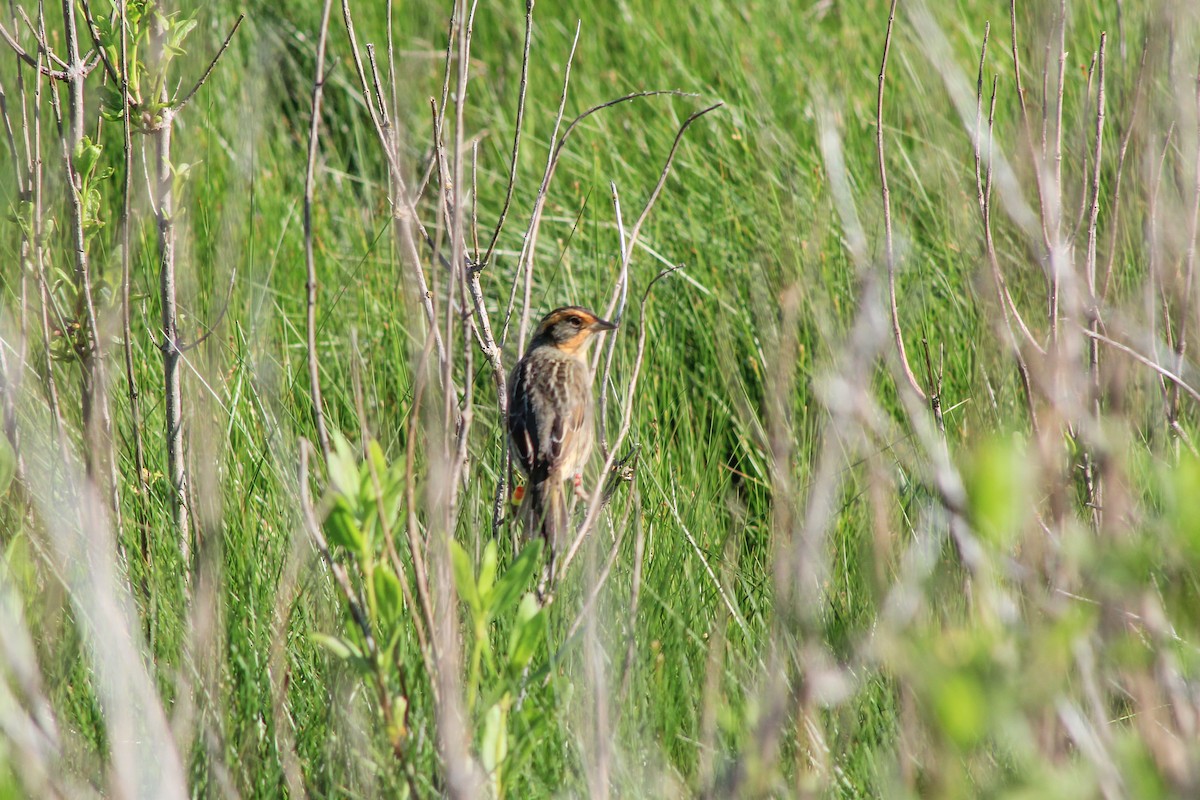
pixel 550 416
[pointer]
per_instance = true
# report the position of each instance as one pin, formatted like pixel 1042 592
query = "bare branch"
pixel 187 98
pixel 889 246
pixel 314 132
pixel 594 504
pixel 516 148
pixel 556 152
pixel 1149 362
pixel 58 75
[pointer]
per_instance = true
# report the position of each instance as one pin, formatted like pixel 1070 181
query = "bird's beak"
pixel 601 325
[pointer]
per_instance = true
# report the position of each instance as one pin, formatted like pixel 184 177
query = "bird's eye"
pixel 574 321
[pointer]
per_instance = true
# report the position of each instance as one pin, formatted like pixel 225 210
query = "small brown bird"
pixel 550 416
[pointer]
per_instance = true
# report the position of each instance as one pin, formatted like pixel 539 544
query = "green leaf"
pixel 487 574
pixel 961 707
pixel 343 467
pixel 341 528
pixel 1183 510
pixel 516 579
pixel 997 485
pixel 87 154
pixel 337 646
pixel 464 578
pixel 389 597
pixel 527 634
pixel 377 459
pixel 180 31
pixel 8 464
pixel 493 748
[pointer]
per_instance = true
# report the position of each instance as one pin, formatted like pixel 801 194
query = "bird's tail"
pixel 545 512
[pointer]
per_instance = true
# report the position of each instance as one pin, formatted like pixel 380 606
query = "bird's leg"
pixel 579 491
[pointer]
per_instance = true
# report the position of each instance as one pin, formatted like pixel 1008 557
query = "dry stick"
pixel 556 153
pixel 391 55
pixel 885 194
pixel 187 98
pixel 1037 173
pixel 27 246
pixel 516 148
pixel 39 252
pixel 1091 478
pixel 114 74
pixel 1189 273
pixel 473 259
pixel 1006 302
pixel 529 249
pixel 595 501
pixel 1056 250
pixel 10 376
pixel 39 35
pixel 983 187
pixel 1126 137
pixel 458 276
pixel 1084 194
pixel 491 350
pixel 1174 378
pixel 135 414
pixel 451 38
pixel 403 211
pixel 53 74
pixel 94 388
pixel 615 306
pixel 416 547
pixel 164 211
pixel 314 128
pixel 621 291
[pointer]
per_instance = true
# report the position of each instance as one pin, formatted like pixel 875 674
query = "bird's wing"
pixel 522 422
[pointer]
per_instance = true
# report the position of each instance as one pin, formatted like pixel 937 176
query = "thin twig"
pixel 885 194
pixel 135 414
pixel 529 250
pixel 556 153
pixel 516 148
pixel 1114 227
pixel 209 330
pixel 1161 370
pixel 187 98
pixel 1189 268
pixel 53 74
pixel 1028 129
pixel 403 212
pixel 314 128
pixel 594 504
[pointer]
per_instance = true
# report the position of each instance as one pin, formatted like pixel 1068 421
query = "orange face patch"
pixel 585 318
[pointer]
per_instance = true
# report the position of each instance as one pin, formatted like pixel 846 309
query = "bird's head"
pixel 569 327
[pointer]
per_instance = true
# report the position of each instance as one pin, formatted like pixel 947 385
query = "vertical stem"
pixel 164 215
pixel 889 247
pixel 135 414
pixel 1091 475
pixel 94 391
pixel 314 371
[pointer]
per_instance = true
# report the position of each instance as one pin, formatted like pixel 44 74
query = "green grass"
pixel 750 211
